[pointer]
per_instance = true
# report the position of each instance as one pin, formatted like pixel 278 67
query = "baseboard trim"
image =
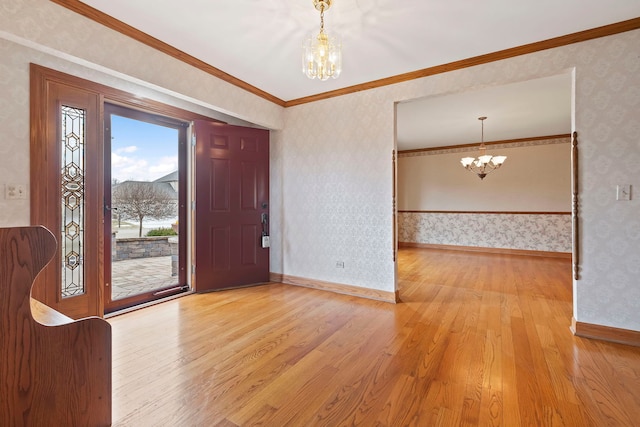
pixel 525 252
pixel 337 288
pixel 605 333
pixel 275 277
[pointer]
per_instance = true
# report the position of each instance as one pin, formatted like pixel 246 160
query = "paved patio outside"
pixel 137 276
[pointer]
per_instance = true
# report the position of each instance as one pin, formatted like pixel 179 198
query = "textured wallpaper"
pixel 336 192
pixel 331 178
pixel 608 121
pixel 607 118
pixel 137 67
pixel 14 133
pixel 534 232
pixel 536 177
pixel 44 33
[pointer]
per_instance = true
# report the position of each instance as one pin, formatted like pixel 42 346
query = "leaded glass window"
pixel 73 200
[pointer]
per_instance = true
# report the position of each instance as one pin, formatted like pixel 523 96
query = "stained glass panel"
pixel 72 190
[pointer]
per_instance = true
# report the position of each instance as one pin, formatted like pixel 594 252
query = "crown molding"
pixel 129 31
pixel 542 140
pixel 119 26
pixel 607 30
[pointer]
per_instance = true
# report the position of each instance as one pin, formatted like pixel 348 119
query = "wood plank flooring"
pixel 478 340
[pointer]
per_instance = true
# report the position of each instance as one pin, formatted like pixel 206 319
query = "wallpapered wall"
pixel 336 191
pixel 533 232
pixel 44 33
pixel 331 184
pixel 607 94
pixel 109 57
pixel 14 116
pixel 536 178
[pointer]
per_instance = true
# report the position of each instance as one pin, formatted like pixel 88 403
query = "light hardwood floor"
pixel 478 340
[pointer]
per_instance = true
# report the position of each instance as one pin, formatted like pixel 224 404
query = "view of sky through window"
pixel 142 151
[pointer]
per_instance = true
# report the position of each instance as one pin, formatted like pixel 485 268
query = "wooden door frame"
pixel 47 98
pixel 41 78
pixel 183 153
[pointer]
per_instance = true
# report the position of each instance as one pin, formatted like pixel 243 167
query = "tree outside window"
pixel 137 200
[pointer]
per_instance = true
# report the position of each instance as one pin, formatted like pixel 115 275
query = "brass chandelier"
pixel 484 164
pixel 322 54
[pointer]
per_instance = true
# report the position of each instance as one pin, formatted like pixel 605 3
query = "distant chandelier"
pixel 322 54
pixel 484 164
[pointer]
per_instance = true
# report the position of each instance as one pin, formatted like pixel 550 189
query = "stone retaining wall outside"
pixel 140 247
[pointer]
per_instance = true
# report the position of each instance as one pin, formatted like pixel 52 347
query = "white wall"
pixel 44 33
pixel 336 191
pixel 109 57
pixel 533 178
pixel 331 183
pixel 360 136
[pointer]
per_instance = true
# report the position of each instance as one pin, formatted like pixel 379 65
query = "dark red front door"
pixel 232 206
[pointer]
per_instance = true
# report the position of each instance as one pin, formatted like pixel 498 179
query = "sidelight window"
pixel 73 200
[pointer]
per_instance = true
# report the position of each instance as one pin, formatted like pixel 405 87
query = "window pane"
pixel 72 183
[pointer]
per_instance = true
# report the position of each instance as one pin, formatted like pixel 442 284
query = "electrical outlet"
pixel 15 191
pixel 339 264
pixel 623 192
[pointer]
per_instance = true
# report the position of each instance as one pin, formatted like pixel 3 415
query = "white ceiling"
pixel 260 42
pixel 540 107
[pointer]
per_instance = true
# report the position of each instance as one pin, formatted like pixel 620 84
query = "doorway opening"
pixel 442 206
pixel 145 184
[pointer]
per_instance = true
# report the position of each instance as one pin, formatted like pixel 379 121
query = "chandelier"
pixel 484 164
pixel 322 54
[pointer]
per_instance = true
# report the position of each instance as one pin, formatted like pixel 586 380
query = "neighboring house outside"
pixel 139 197
pixel 167 184
pixel 170 179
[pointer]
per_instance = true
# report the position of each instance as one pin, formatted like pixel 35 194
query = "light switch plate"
pixel 623 192
pixel 15 191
